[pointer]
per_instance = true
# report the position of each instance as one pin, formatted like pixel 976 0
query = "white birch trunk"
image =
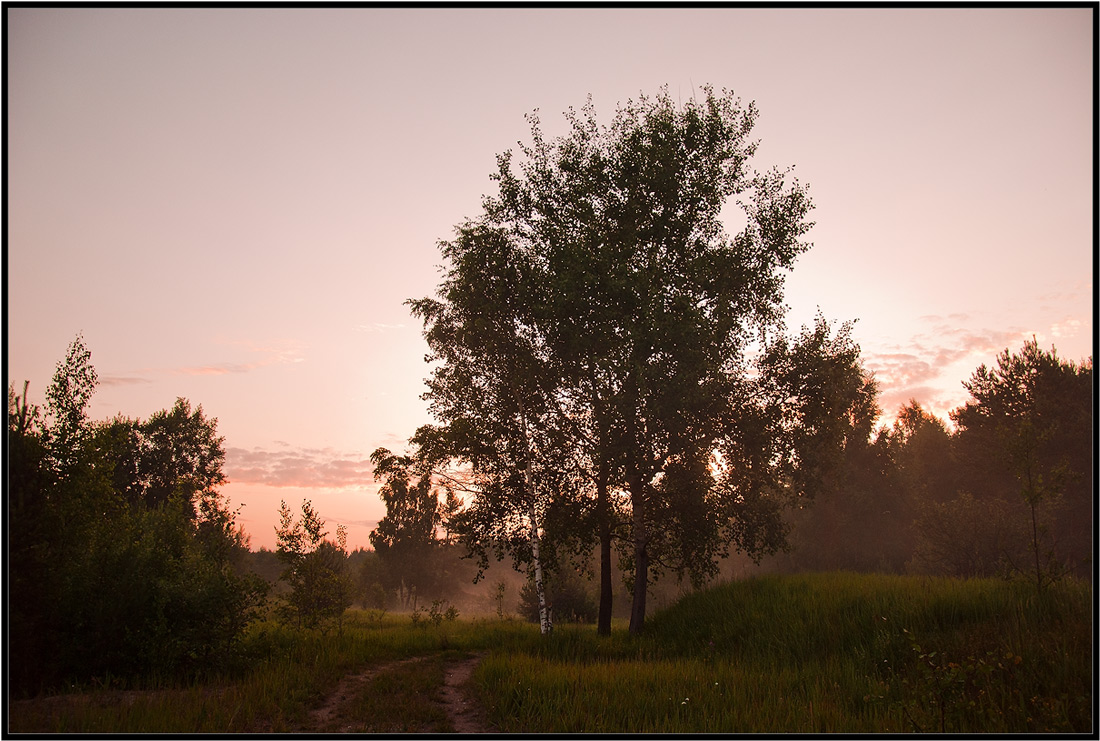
pixel 545 625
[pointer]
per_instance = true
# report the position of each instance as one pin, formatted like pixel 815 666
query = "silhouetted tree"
pixel 181 452
pixel 67 399
pixel 793 432
pixel 596 329
pixel 175 453
pixel 405 538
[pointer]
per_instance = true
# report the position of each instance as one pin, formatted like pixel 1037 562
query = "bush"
pixel 967 537
pixel 123 558
pixel 568 596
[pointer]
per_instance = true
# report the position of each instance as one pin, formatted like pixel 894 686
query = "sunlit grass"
pixel 832 653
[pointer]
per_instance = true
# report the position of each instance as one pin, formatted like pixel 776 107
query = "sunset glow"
pixel 232 205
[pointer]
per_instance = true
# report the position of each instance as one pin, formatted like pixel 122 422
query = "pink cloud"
pixel 931 367
pixel 122 380
pixel 309 468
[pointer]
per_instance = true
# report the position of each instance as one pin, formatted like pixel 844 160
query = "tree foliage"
pixel 598 332
pixel 102 580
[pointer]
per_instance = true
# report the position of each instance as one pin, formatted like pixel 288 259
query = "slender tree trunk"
pixel 641 556
pixel 544 615
pixel 1032 499
pixel 603 510
pixel 1035 548
pixel 545 626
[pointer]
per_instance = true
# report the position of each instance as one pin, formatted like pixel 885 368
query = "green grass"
pixel 834 652
pixel 817 653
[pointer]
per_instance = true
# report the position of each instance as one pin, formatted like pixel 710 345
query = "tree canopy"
pixel 600 339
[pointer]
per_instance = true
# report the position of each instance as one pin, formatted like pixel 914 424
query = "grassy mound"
pixel 828 652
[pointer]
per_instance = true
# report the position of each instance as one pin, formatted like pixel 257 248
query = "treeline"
pixel 1006 489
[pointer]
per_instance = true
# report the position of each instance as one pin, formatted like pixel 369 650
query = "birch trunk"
pixel 545 625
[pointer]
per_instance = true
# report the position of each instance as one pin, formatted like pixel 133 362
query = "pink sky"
pixel 231 205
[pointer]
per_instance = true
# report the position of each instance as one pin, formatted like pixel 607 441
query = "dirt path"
pixel 335 714
pixel 323 716
pixel 463 713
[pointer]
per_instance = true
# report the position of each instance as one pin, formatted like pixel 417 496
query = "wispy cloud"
pixel 1079 293
pixel 218 369
pixel 322 468
pixel 373 327
pixel 123 380
pixel 394 442
pixel 273 353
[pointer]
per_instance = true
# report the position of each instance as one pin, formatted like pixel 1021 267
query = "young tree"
pixel 67 399
pixel 316 568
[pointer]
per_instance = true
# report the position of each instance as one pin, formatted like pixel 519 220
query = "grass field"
pixel 829 652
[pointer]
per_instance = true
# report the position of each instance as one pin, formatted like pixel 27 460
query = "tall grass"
pixel 286 673
pixel 817 653
pixel 835 652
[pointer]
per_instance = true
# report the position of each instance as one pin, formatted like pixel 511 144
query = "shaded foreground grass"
pixel 822 653
pixel 832 652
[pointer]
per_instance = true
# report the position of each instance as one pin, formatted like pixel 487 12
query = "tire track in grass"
pixel 322 717
pixel 466 715
pixel 462 712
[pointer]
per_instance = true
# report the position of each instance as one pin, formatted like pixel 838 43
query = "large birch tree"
pixel 598 328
